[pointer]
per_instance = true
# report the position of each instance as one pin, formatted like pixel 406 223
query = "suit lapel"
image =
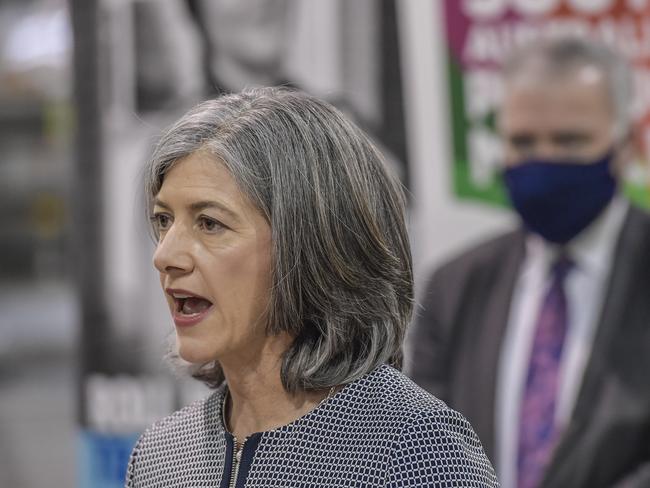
pixel 565 466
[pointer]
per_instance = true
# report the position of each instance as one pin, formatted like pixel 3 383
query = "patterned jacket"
pixel 379 431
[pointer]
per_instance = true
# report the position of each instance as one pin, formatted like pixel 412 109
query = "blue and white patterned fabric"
pixel 379 431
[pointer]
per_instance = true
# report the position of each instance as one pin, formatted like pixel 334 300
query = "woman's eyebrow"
pixel 201 205
pixel 159 203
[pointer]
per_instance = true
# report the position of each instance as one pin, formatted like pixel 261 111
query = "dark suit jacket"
pixel 457 340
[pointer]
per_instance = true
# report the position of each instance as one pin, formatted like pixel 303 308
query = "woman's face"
pixel 214 259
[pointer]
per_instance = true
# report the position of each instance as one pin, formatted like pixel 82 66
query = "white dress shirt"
pixel 592 253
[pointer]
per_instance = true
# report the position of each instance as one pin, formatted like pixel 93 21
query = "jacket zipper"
pixel 236 461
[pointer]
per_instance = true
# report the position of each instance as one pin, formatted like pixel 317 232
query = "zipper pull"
pixel 239 452
pixel 239 449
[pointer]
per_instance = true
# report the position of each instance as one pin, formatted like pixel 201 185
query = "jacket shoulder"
pixel 433 439
pixel 472 274
pixel 483 254
pixel 396 394
pixel 639 218
pixel 169 448
pixel 192 416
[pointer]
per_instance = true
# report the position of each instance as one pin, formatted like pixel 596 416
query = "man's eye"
pixel 522 143
pixel 572 140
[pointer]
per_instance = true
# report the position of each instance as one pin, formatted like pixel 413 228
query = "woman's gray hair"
pixel 562 55
pixel 342 270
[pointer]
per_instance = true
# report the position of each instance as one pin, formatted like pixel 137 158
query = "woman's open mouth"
pixel 189 308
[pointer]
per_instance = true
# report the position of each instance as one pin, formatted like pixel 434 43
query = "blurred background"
pixel 85 88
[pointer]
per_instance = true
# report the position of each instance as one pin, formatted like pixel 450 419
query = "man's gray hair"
pixel 342 270
pixel 563 55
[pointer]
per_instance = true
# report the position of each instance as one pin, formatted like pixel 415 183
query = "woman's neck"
pixel 257 401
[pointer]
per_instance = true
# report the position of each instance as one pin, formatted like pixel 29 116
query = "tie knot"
pixel 561 267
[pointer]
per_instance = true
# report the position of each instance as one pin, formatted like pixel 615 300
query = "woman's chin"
pixel 194 352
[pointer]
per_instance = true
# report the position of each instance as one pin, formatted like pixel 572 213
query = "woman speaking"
pixel 284 258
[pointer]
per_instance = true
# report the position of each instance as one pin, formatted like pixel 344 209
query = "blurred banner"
pixel 481 33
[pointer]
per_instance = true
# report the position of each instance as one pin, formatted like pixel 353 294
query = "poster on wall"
pixel 480 35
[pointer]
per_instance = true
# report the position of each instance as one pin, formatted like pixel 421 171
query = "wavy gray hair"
pixel 342 270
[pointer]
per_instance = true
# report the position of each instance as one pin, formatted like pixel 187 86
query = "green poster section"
pixel 463 185
pixel 640 195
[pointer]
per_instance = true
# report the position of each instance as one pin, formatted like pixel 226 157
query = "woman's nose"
pixel 173 253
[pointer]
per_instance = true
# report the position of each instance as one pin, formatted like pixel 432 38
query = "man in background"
pixel 541 336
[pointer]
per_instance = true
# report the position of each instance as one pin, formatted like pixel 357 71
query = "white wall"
pixel 441 225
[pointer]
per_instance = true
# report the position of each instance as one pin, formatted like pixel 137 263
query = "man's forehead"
pixel 538 74
pixel 590 75
pixel 583 90
pixel 545 109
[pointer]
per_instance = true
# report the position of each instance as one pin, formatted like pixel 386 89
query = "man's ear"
pixel 629 149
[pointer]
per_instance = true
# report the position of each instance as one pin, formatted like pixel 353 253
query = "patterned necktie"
pixel 538 434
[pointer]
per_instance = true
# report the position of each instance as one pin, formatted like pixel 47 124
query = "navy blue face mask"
pixel 558 200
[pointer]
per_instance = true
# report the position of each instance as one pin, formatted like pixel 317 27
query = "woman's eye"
pixel 210 225
pixel 161 221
